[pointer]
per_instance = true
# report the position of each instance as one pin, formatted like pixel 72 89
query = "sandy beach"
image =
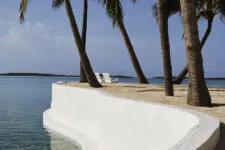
pixel 155 93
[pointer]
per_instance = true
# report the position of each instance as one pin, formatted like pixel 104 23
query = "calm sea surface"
pixel 22 103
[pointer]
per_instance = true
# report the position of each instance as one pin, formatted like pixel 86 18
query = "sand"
pixel 155 93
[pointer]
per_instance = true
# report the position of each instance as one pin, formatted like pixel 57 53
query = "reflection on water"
pixel 22 103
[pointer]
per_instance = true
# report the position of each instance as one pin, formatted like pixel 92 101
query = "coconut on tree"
pixel 92 80
pixel 115 13
pixel 198 94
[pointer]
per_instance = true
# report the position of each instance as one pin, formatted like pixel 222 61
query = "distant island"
pixel 121 76
pixel 62 75
pixel 37 74
pixel 160 77
pixel 52 75
pixel 207 78
pixel 215 78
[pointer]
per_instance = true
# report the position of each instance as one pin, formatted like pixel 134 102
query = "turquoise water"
pixel 22 103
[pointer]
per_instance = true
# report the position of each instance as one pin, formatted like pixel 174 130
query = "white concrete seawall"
pixel 100 121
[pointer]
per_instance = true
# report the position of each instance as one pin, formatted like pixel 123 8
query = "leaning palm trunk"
pixel 165 46
pixel 93 82
pixel 183 73
pixel 83 78
pixel 140 75
pixel 198 94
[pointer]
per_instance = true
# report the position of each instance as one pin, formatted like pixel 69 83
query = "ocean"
pixel 22 102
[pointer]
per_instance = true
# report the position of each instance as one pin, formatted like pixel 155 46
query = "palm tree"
pixel 115 12
pixel 198 94
pixel 165 46
pixel 206 9
pixel 92 80
pixel 83 77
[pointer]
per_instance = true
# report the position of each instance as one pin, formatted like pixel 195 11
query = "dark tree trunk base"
pixel 145 81
pixel 204 100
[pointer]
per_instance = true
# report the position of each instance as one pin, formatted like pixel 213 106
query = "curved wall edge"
pixel 96 119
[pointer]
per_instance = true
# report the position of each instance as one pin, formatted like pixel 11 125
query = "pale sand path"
pixel 155 93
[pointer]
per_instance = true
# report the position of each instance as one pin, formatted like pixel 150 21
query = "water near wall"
pixel 22 103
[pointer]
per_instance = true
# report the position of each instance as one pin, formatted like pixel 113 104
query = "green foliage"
pixel 206 9
pixel 24 4
pixel 222 9
pixel 114 10
pixel 57 3
pixel 171 7
pixel 211 8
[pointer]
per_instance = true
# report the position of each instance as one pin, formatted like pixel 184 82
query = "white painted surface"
pixel 99 121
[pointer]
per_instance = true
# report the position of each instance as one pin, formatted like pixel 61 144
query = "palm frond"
pixel 114 10
pixel 172 7
pixel 221 7
pixel 57 3
pixel 23 9
pixel 155 10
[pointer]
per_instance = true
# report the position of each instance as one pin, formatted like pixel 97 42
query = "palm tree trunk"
pixel 92 80
pixel 165 46
pixel 207 32
pixel 183 73
pixel 83 78
pixel 198 94
pixel 140 75
pixel 181 76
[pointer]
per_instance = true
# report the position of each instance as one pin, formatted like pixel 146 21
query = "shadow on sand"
pixel 218 104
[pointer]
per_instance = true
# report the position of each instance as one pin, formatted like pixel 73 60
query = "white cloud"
pixel 31 36
pixel 35 47
pixel 17 38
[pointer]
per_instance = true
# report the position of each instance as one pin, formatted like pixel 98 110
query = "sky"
pixel 44 43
